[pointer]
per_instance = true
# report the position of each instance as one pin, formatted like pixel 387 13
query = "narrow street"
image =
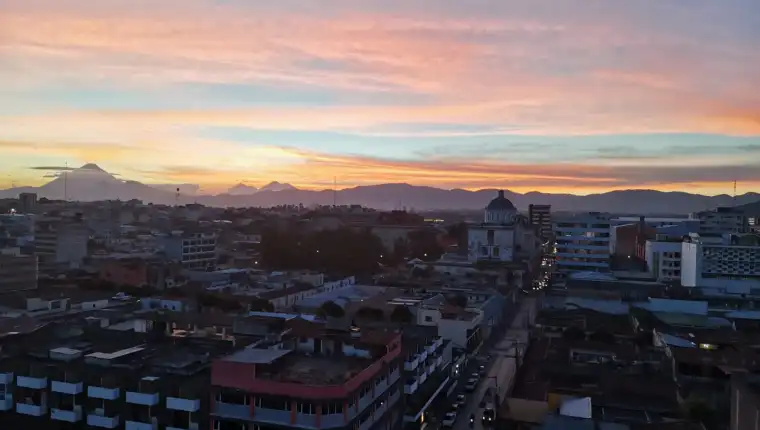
pixel 502 367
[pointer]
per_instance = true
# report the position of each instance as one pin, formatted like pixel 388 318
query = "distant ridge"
pixel 90 182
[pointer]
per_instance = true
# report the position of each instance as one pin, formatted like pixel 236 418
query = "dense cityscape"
pixel 119 314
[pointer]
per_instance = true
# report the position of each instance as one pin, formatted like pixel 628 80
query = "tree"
pixel 458 300
pixel 574 333
pixel 401 314
pixel 368 313
pixel 424 244
pixel 602 335
pixel 699 409
pixel 331 309
pixel 261 305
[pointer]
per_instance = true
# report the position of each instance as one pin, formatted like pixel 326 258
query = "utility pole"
pixel 335 191
pixel 734 200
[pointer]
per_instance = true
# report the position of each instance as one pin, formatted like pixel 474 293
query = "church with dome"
pixel 505 235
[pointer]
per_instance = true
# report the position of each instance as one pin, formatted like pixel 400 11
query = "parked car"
pixel 460 400
pixel 482 370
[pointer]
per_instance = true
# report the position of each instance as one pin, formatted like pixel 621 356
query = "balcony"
pixel 423 356
pixel 305 420
pixel 332 420
pixel 410 388
pixel 72 416
pixel 144 399
pixel 136 425
pixel 102 393
pixel 412 364
pixel 31 409
pixel 187 405
pixel 6 401
pixel 232 410
pixel 192 426
pixel 67 387
pixel 394 376
pixel 98 420
pixel 275 416
pixel 6 378
pixel 35 383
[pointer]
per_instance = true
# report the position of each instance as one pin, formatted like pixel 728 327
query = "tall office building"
pixel 195 250
pixel 583 242
pixel 722 220
pixel 60 243
pixel 541 216
pixel 17 271
pixel 27 203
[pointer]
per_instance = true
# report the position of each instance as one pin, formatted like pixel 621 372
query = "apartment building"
pixel 87 377
pixel 427 373
pixel 311 377
pixel 583 242
pixel 17 271
pixel 195 250
pixel 728 261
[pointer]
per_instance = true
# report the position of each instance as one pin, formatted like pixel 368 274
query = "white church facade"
pixel 503 236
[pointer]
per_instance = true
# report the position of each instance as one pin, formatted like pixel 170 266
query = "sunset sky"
pixel 573 96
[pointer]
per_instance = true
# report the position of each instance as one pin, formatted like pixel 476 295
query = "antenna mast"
pixel 335 191
pixel 734 200
pixel 66 182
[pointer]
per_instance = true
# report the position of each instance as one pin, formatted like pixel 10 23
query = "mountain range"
pixel 90 183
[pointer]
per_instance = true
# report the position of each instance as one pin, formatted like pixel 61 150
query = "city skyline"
pixel 561 97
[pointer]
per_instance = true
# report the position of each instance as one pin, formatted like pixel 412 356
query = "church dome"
pixel 500 203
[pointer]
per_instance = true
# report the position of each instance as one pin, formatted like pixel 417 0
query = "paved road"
pixel 502 367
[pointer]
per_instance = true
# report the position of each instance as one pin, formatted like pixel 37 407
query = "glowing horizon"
pixel 565 97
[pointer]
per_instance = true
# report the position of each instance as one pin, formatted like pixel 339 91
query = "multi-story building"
pixel 745 401
pixel 195 250
pixel 427 373
pixel 17 271
pixel 583 242
pixel 722 220
pixel 727 261
pixel 311 377
pixel 663 256
pixel 92 377
pixel 541 216
pixel 504 236
pixel 59 243
pixel 27 203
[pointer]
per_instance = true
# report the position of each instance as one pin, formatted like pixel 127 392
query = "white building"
pixel 721 262
pixel 194 250
pixel 504 235
pixel 722 220
pixel 663 257
pixel 583 242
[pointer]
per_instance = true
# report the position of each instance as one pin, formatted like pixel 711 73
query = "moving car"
pixel 450 418
pixel 471 384
pixel 489 414
pixel 482 370
pixel 460 400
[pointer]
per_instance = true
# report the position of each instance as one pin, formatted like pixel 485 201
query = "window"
pixel 273 402
pixel 483 250
pixel 333 408
pixel 428 318
pixel 496 251
pixel 490 237
pixel 306 408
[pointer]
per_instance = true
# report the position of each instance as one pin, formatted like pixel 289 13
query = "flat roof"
pixel 257 355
